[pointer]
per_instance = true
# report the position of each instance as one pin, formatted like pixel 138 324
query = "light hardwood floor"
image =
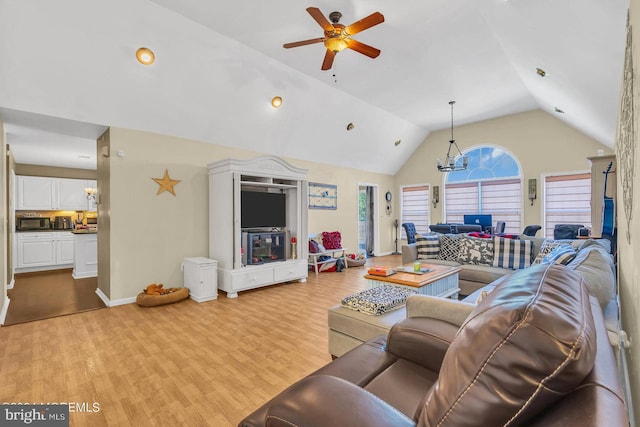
pixel 184 364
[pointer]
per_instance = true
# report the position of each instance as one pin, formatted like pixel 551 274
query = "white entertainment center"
pixel 227 180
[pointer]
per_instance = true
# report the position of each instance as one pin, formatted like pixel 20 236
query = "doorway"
pixel 368 242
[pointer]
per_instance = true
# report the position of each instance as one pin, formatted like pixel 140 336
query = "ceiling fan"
pixel 338 37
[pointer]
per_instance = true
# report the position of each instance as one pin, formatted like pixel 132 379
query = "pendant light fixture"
pixel 449 164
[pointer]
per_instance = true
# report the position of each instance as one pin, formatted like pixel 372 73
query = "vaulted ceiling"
pixel 68 70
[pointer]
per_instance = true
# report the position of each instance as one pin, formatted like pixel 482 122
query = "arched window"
pixel 492 184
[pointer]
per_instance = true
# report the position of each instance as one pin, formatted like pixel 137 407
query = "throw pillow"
pixel 549 244
pixel 378 300
pixel 313 247
pixel 449 247
pixel 561 254
pixel 476 251
pixel 428 246
pixel 511 253
pixel 331 240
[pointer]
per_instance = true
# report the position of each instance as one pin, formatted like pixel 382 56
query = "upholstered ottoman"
pixel 349 328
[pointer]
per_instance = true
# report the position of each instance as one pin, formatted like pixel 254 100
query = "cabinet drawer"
pixel 290 272
pixel 251 278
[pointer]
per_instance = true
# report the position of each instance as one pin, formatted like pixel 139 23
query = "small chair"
pixel 531 230
pixel 410 231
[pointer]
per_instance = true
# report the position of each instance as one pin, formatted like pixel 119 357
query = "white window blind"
pixel 567 200
pixel 415 207
pixel 461 199
pixel 500 198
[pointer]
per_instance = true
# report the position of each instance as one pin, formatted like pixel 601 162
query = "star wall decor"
pixel 166 183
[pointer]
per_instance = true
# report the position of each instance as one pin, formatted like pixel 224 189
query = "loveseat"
pixel 534 351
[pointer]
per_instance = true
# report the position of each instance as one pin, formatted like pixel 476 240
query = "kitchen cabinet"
pixel 64 247
pixel 85 263
pixel 43 251
pixel 35 193
pixel 35 250
pixel 45 193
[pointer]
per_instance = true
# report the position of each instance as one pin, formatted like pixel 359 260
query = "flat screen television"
pixel 262 209
pixel 483 220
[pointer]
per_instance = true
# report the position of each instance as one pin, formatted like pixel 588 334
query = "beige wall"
pixel 629 251
pixel 103 198
pixel 151 234
pixel 4 218
pixel 541 143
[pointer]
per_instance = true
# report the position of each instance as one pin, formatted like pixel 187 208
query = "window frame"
pixel 402 220
pixel 544 177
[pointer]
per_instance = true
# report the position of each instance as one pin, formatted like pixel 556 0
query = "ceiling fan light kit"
pixel 337 37
pixel 449 164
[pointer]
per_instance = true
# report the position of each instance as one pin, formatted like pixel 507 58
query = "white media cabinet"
pixel 227 178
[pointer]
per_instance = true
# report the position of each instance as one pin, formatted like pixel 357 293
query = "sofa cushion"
pixel 549 244
pixel 449 247
pixel 562 254
pixel 596 266
pixel 513 254
pixel 527 343
pixel 428 246
pixel 475 250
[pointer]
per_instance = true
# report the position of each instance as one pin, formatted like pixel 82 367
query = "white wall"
pixel 3 221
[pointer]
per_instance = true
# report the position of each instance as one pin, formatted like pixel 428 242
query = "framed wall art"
pixel 323 196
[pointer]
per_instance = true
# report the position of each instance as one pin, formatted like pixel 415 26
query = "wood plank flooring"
pixel 190 364
pixel 46 294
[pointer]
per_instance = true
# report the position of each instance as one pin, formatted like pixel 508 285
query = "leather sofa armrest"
pixel 448 310
pixel 409 253
pixel 421 340
pixel 331 401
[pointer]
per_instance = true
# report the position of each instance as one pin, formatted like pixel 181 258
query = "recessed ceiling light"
pixel 350 126
pixel 557 110
pixel 541 72
pixel 276 102
pixel 145 56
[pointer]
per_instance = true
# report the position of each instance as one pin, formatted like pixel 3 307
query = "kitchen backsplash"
pixel 52 214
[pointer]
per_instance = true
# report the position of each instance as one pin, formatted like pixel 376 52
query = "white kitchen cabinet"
pixel 70 194
pixel 35 250
pixel 85 262
pixel 45 193
pixel 35 193
pixel 64 247
pixel 200 276
pixel 44 251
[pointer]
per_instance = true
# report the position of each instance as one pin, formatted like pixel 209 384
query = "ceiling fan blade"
pixel 368 22
pixel 320 18
pixel 362 48
pixel 328 59
pixel 303 43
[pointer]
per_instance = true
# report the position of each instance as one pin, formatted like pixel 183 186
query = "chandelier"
pixel 449 164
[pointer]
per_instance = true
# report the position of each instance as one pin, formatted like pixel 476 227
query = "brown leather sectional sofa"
pixel 533 352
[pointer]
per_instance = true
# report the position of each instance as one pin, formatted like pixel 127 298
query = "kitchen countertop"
pixel 85 231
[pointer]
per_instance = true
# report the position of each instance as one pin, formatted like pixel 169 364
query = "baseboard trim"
pixel 5 308
pixel 10 285
pixel 116 302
